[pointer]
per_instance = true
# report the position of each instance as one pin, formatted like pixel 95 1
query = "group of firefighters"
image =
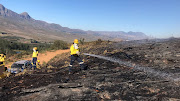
pixel 75 55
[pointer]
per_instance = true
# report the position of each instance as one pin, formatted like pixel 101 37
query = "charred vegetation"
pixel 104 80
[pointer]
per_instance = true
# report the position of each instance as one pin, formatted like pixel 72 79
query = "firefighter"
pixel 75 55
pixel 34 57
pixel 2 64
pixel 38 64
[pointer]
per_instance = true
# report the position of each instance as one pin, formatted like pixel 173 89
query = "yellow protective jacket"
pixel 74 49
pixel 2 59
pixel 35 54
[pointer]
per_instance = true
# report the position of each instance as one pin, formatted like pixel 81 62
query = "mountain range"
pixel 23 25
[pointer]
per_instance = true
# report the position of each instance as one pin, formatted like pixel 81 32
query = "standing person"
pixel 34 57
pixel 75 55
pixel 2 64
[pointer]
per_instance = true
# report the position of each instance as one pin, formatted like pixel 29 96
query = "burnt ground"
pixel 104 80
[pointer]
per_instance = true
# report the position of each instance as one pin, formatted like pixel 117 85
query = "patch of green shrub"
pixel 9 47
pixel 59 44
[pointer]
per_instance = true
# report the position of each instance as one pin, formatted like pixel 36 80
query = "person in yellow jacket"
pixel 34 57
pixel 2 63
pixel 38 64
pixel 75 55
pixel 2 59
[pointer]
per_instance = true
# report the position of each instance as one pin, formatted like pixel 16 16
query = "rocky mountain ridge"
pixel 25 26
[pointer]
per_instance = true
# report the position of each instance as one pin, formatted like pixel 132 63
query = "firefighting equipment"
pixel 78 53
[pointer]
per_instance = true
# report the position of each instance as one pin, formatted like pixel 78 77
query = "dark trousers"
pixel 1 70
pixel 73 59
pixel 34 62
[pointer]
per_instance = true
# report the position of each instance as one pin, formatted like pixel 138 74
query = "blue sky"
pixel 157 18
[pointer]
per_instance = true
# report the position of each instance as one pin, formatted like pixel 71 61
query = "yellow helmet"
pixel 38 61
pixel 35 48
pixel 76 41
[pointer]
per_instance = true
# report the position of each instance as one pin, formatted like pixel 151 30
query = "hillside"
pixel 23 25
pixel 154 75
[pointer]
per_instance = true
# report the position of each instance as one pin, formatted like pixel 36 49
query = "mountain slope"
pixel 25 26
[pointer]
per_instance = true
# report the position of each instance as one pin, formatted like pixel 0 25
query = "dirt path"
pixel 44 57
